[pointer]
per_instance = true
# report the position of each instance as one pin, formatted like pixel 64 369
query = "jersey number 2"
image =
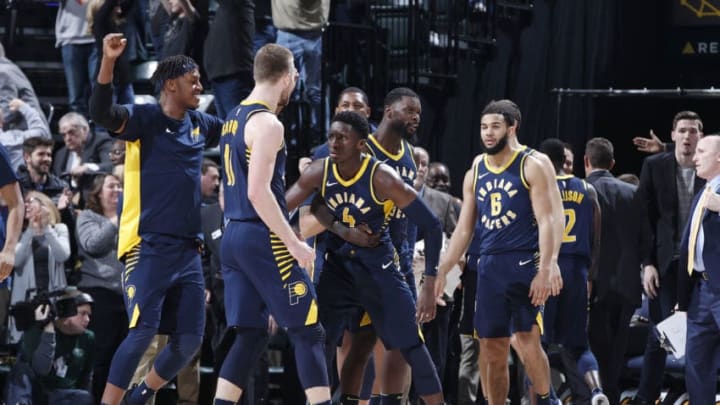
pixel 569 224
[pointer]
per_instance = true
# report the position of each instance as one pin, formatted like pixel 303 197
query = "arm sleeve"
pixel 419 213
pixel 103 111
pixel 42 357
pixel 95 236
pixel 214 130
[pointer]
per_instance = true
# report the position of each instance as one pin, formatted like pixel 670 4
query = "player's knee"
pixel 185 345
pixel 139 338
pixel 310 335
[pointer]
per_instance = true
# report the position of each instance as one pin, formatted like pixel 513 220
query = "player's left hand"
pixel 546 282
pixel 426 300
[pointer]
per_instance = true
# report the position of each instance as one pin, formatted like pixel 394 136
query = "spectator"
pixel 39 256
pixel 79 54
pixel 35 173
pixel 117 153
pixel 107 16
pixel 57 354
pixel 185 31
pixel 229 54
pixel 300 25
pixel 209 181
pixel 265 31
pixel 14 84
pixel 97 232
pixel 84 151
pixel 12 139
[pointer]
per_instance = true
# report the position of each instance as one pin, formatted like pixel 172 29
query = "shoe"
pixel 599 399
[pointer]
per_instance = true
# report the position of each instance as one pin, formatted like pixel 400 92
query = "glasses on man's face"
pixel 74 131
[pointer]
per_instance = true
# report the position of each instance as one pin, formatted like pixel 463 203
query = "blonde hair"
pixel 272 61
pixel 47 202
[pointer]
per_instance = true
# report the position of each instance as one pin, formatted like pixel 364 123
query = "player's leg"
pixel 145 282
pixel 182 318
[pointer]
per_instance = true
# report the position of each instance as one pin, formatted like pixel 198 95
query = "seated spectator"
pixel 117 153
pixel 97 232
pixel 57 354
pixel 40 254
pixel 12 139
pixel 14 84
pixel 35 173
pixel 85 151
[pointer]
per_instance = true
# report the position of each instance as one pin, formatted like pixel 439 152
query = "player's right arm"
pixel 461 237
pixel 264 137
pixel 12 196
pixel 310 180
pixel 111 116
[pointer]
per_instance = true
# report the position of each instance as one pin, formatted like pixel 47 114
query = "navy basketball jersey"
pixel 578 210
pixel 403 162
pixel 353 201
pixel 506 222
pixel 236 157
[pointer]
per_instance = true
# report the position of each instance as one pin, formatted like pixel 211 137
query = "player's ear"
pixel 170 85
pixel 361 143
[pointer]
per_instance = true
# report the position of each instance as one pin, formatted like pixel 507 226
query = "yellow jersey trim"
pixel 250 102
pixel 326 164
pixel 392 156
pixel 312 316
pixel 128 235
pixel 564 177
pixel 504 167
pixel 522 172
pixel 358 175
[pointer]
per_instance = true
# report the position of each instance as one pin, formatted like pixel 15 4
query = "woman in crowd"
pixel 97 232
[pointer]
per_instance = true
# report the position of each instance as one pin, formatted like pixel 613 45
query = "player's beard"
pixel 401 128
pixel 498 147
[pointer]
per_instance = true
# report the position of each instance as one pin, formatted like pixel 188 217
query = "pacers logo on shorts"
pixel 130 291
pixel 296 291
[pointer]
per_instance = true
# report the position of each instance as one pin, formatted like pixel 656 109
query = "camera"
pixel 63 304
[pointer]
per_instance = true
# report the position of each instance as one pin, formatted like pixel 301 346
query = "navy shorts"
pixel 262 278
pixel 502 302
pixel 376 294
pixel 566 315
pixel 164 286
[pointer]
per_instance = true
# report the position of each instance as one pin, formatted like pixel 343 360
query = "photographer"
pixel 56 354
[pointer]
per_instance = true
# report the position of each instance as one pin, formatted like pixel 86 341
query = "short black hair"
pixel 354 90
pixel 507 108
pixel 600 152
pixel 355 120
pixel 555 150
pixel 32 143
pixel 173 67
pixel 398 93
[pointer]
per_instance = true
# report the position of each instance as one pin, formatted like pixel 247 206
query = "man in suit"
pixel 616 286
pixel 85 151
pixel 667 185
pixel 699 278
pixel 436 332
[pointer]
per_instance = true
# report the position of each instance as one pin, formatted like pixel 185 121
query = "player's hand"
pixel 713 202
pixel 304 254
pixel 15 104
pixel 303 163
pixel 651 280
pixel 426 300
pixel 361 235
pixel 649 145
pixel 7 262
pixel 114 45
pixel 546 282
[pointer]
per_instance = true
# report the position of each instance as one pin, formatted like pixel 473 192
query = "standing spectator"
pixel 265 31
pixel 229 54
pixel 97 233
pixel 41 252
pixel 300 25
pixel 14 84
pixel 185 31
pixel 79 54
pixel 667 186
pixel 12 139
pixel 108 16
pixel 699 272
pixel 616 285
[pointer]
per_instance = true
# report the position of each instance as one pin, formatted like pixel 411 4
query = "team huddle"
pixel 525 226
